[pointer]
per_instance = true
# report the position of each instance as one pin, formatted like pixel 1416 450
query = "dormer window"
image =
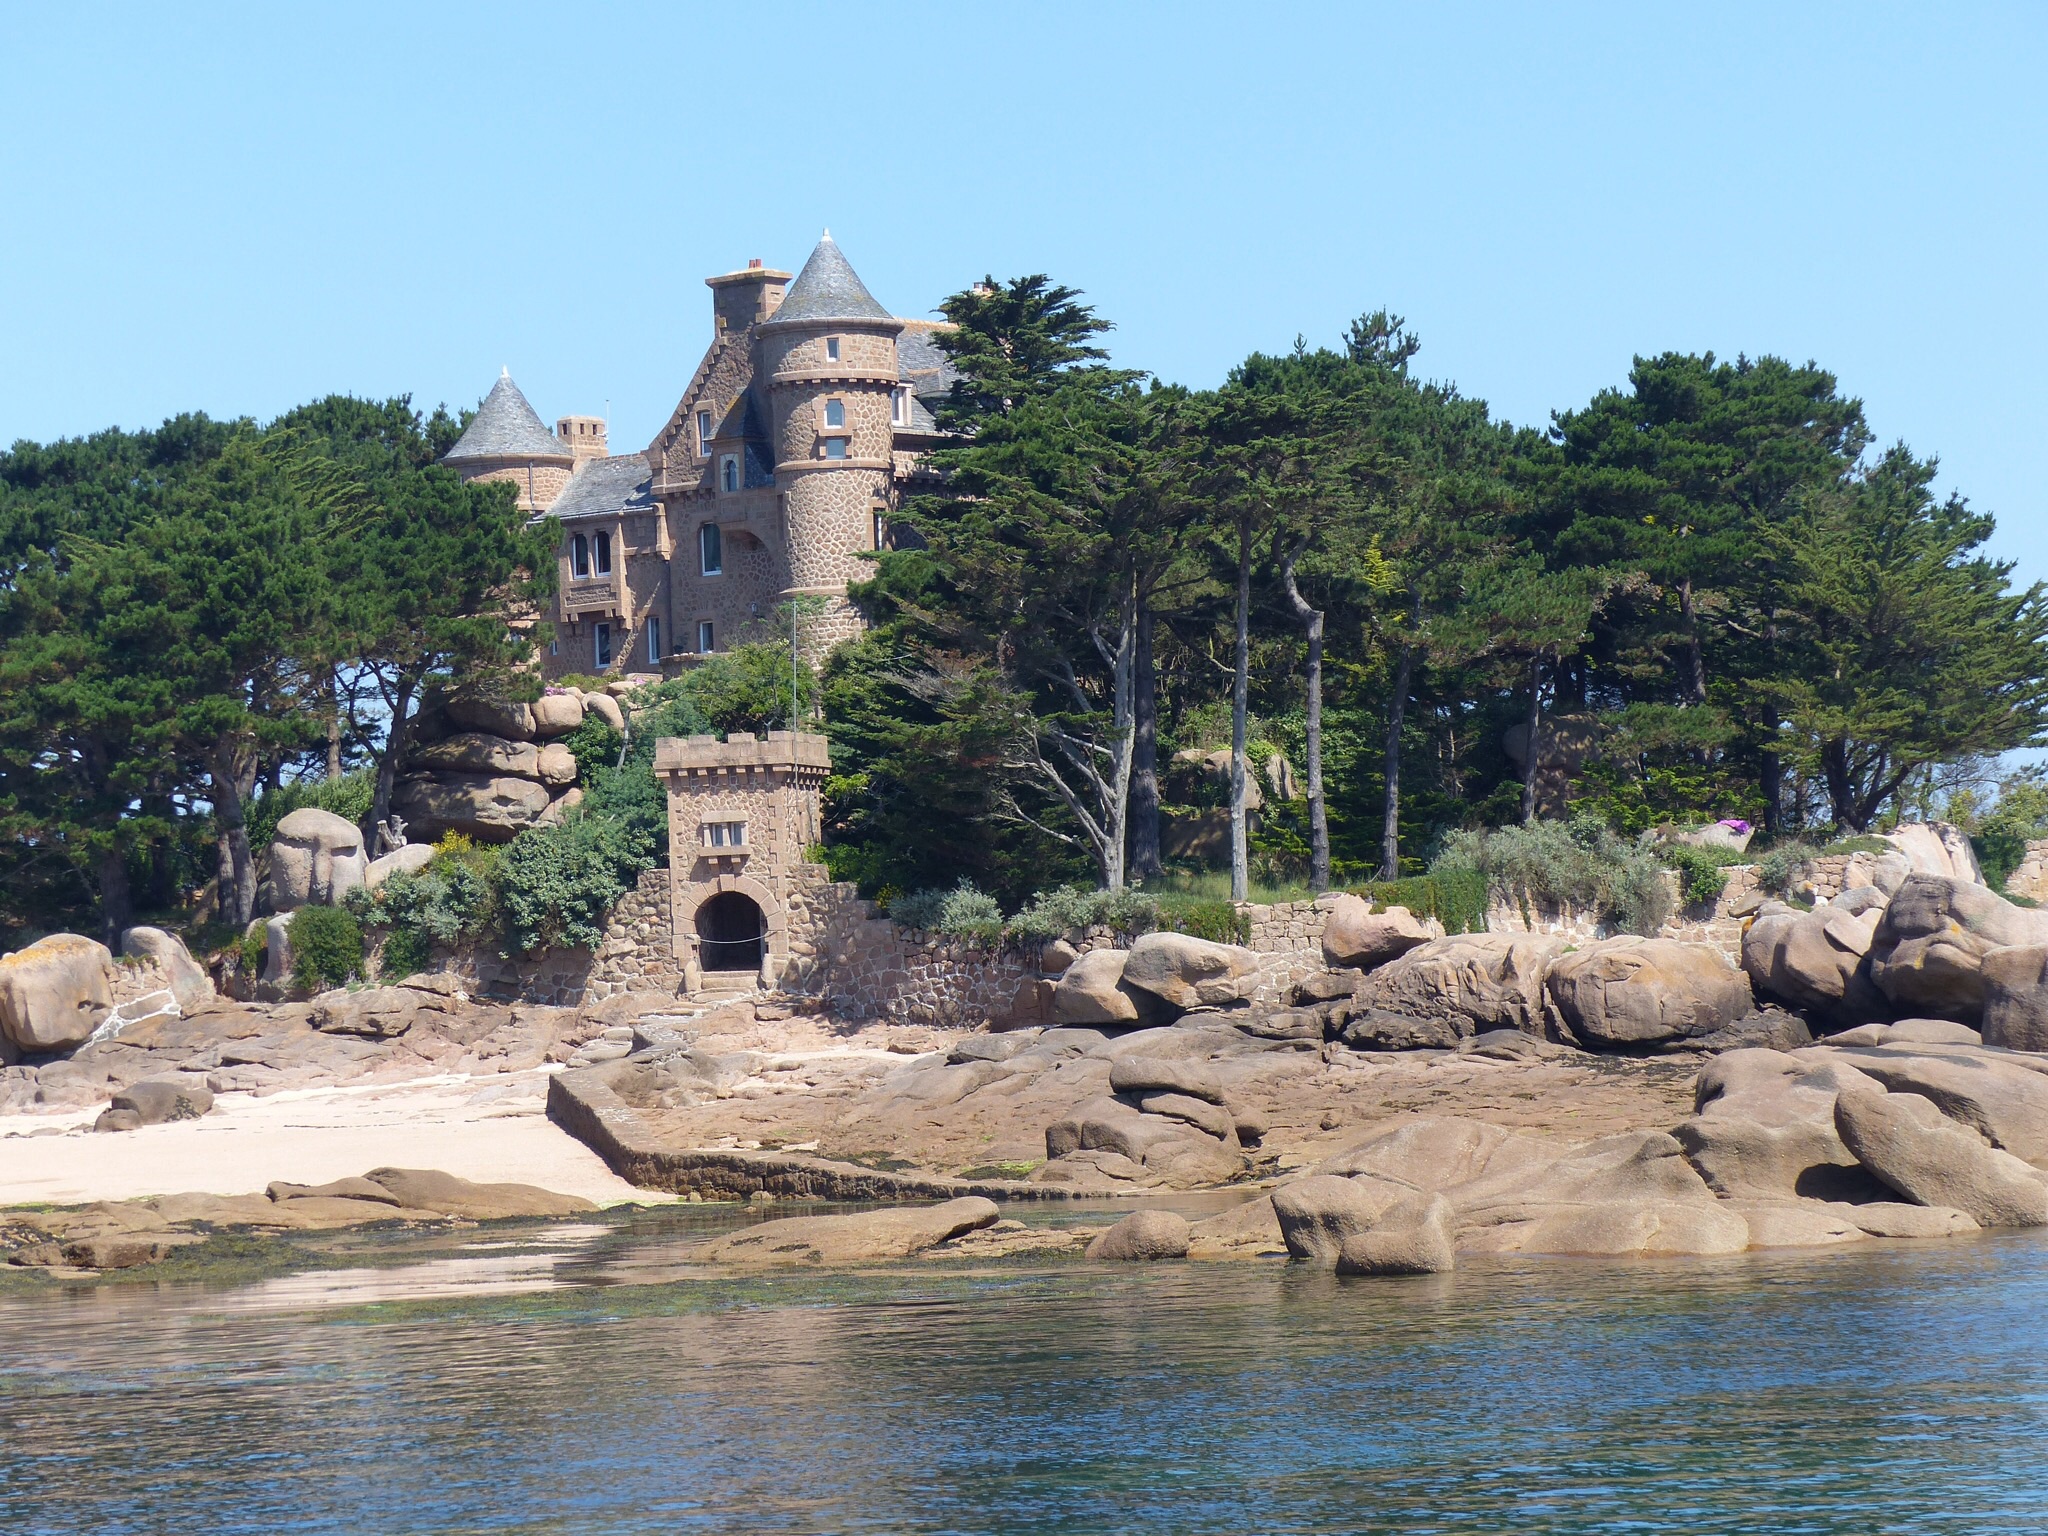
pixel 835 413
pixel 831 349
pixel 703 434
pixel 579 556
pixel 604 554
pixel 729 472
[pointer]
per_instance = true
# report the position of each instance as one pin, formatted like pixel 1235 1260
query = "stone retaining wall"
pixel 1717 922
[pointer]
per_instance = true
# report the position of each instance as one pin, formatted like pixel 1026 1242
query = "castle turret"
pixel 506 440
pixel 828 356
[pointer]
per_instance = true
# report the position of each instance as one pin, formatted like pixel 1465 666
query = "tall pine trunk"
pixel 1535 722
pixel 230 794
pixel 1240 703
pixel 1318 816
pixel 1695 658
pixel 117 903
pixel 1145 860
pixel 334 725
pixel 396 741
pixel 1390 826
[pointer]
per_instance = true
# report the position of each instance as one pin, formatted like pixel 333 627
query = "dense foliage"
pixel 1451 656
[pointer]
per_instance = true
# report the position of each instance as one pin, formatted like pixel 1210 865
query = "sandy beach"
pixel 488 1128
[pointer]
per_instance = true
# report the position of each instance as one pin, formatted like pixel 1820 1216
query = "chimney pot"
pixel 753 263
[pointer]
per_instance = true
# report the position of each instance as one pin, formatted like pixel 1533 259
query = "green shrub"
pixel 557 885
pixel 327 947
pixel 348 797
pixel 406 953
pixel 594 744
pixel 1583 864
pixel 1454 897
pixel 1780 866
pixel 1068 911
pixel 1862 842
pixel 961 913
pixel 1702 872
pixel 252 949
pixel 1220 922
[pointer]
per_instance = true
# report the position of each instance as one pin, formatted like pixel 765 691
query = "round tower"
pixel 828 353
pixel 507 441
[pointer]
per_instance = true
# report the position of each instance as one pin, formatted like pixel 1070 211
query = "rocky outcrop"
pixel 1927 953
pixel 1473 981
pixel 1906 1141
pixel 409 859
pixel 556 713
pixel 868 1235
pixel 1317 1213
pixel 1937 848
pixel 1091 991
pixel 54 993
pixel 1412 1237
pixel 489 809
pixel 1143 1235
pixel 154 1102
pixel 1355 936
pixel 1815 960
pixel 316 858
pixel 2015 982
pixel 1630 992
pixel 190 986
pixel 1184 972
pixel 490 717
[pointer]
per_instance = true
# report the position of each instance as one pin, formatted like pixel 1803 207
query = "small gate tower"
pixel 741 812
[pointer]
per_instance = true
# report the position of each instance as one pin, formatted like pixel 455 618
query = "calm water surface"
pixel 1891 1388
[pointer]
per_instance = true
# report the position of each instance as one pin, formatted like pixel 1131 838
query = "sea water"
pixel 586 1379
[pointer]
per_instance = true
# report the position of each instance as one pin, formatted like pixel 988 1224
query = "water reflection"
pixel 1898 1388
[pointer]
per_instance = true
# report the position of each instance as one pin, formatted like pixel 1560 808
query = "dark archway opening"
pixel 730 933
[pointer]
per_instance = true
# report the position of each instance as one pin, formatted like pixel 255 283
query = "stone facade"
pixel 741 812
pixel 802 429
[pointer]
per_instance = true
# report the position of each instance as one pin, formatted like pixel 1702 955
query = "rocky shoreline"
pixel 1419 1097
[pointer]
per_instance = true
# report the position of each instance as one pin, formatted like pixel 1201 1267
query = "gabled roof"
pixel 920 363
pixel 613 485
pixel 506 427
pixel 827 289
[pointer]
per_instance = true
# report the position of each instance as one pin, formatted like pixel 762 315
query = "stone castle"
pixel 800 432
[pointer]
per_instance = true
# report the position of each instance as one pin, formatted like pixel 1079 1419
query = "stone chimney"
pixel 739 299
pixel 583 436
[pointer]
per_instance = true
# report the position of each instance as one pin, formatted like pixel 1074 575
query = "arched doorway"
pixel 730 932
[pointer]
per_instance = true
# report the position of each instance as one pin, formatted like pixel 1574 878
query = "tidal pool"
pixel 585 1379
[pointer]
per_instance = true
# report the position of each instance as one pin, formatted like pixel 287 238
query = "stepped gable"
pixel 828 290
pixel 506 427
pixel 621 483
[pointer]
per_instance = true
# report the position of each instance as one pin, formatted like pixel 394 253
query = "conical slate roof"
pixel 827 289
pixel 506 427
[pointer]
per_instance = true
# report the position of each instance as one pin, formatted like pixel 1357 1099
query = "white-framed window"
pixel 835 447
pixel 729 472
pixel 703 434
pixel 704 638
pixel 835 413
pixel 899 406
pixel 653 641
pixel 725 834
pixel 579 556
pixel 601 644
pixel 710 550
pixel 604 554
pixel 831 349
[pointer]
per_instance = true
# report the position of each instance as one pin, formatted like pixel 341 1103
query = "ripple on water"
pixel 1897 1388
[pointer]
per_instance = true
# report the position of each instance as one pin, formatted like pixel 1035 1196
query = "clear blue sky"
pixel 236 209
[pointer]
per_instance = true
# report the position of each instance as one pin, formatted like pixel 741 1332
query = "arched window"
pixel 710 550
pixel 835 413
pixel 604 554
pixel 729 471
pixel 579 555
